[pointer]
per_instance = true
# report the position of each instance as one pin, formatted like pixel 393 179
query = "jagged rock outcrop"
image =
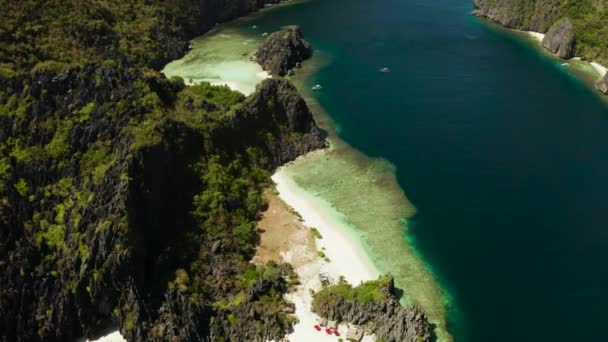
pixel 569 29
pixel 86 247
pixel 283 50
pixel 560 39
pixel 602 85
pixel 519 14
pixel 384 316
pixel 275 100
pixel 49 289
pixel 182 319
pixel 100 179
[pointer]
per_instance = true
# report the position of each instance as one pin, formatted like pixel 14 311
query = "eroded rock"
pixel 560 39
pixel 602 85
pixel 283 50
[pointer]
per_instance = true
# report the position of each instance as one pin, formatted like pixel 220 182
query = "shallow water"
pixel 221 57
pixel 502 151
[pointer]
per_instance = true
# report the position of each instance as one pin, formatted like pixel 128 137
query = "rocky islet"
pixel 283 50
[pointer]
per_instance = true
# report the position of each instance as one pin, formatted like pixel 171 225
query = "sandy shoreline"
pixel 600 69
pixel 114 336
pixel 346 255
pixel 287 237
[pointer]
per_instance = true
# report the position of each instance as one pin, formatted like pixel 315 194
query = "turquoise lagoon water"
pixel 501 151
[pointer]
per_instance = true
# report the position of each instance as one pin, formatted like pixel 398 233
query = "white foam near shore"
pixel 114 336
pixel 346 256
pixel 602 70
pixel 537 35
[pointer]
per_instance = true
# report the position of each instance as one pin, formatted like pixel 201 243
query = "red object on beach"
pixel 317 327
pixel 336 332
pixel 328 331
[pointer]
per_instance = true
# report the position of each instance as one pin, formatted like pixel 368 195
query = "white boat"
pixel 254 27
pixel 385 69
pixel 317 87
pixel 264 34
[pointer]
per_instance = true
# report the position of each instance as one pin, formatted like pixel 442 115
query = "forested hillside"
pixel 128 198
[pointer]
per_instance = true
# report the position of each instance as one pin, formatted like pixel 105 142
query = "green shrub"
pixel 59 147
pixel 22 187
pixel 316 233
pixel 366 292
pixel 84 114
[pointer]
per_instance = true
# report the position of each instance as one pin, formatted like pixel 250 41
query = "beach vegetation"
pixel 369 291
pixel 316 233
pixel 22 187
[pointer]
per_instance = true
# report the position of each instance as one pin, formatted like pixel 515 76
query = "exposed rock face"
pixel 283 50
pixel 275 100
pixel 122 230
pixel 519 14
pixel 386 318
pixel 181 319
pixel 602 85
pixel 560 39
pixel 94 234
pixel 41 297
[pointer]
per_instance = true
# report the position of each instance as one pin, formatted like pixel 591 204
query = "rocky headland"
pixel 560 39
pixel 374 306
pixel 283 50
pixel 571 28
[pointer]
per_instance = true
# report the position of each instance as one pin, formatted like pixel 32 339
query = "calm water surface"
pixel 504 155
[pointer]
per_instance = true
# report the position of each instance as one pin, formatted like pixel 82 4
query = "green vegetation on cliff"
pixel 589 17
pixel 369 291
pixel 374 305
pixel 128 198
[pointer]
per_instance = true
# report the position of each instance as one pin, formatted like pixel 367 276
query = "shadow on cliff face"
pixel 160 203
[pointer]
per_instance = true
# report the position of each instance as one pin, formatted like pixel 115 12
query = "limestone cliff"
pixel 535 15
pixel 573 27
pixel 283 50
pixel 128 199
pixel 374 305
pixel 560 39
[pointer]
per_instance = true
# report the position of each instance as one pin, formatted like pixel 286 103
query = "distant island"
pixel 572 28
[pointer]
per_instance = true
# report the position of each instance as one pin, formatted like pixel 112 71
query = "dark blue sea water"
pixel 504 155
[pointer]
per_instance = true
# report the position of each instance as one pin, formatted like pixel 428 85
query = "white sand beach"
pixel 287 238
pixel 537 35
pixel 346 253
pixel 601 70
pixel 114 336
pixel 346 256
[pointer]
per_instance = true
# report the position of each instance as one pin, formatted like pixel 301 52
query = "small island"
pixel 283 50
